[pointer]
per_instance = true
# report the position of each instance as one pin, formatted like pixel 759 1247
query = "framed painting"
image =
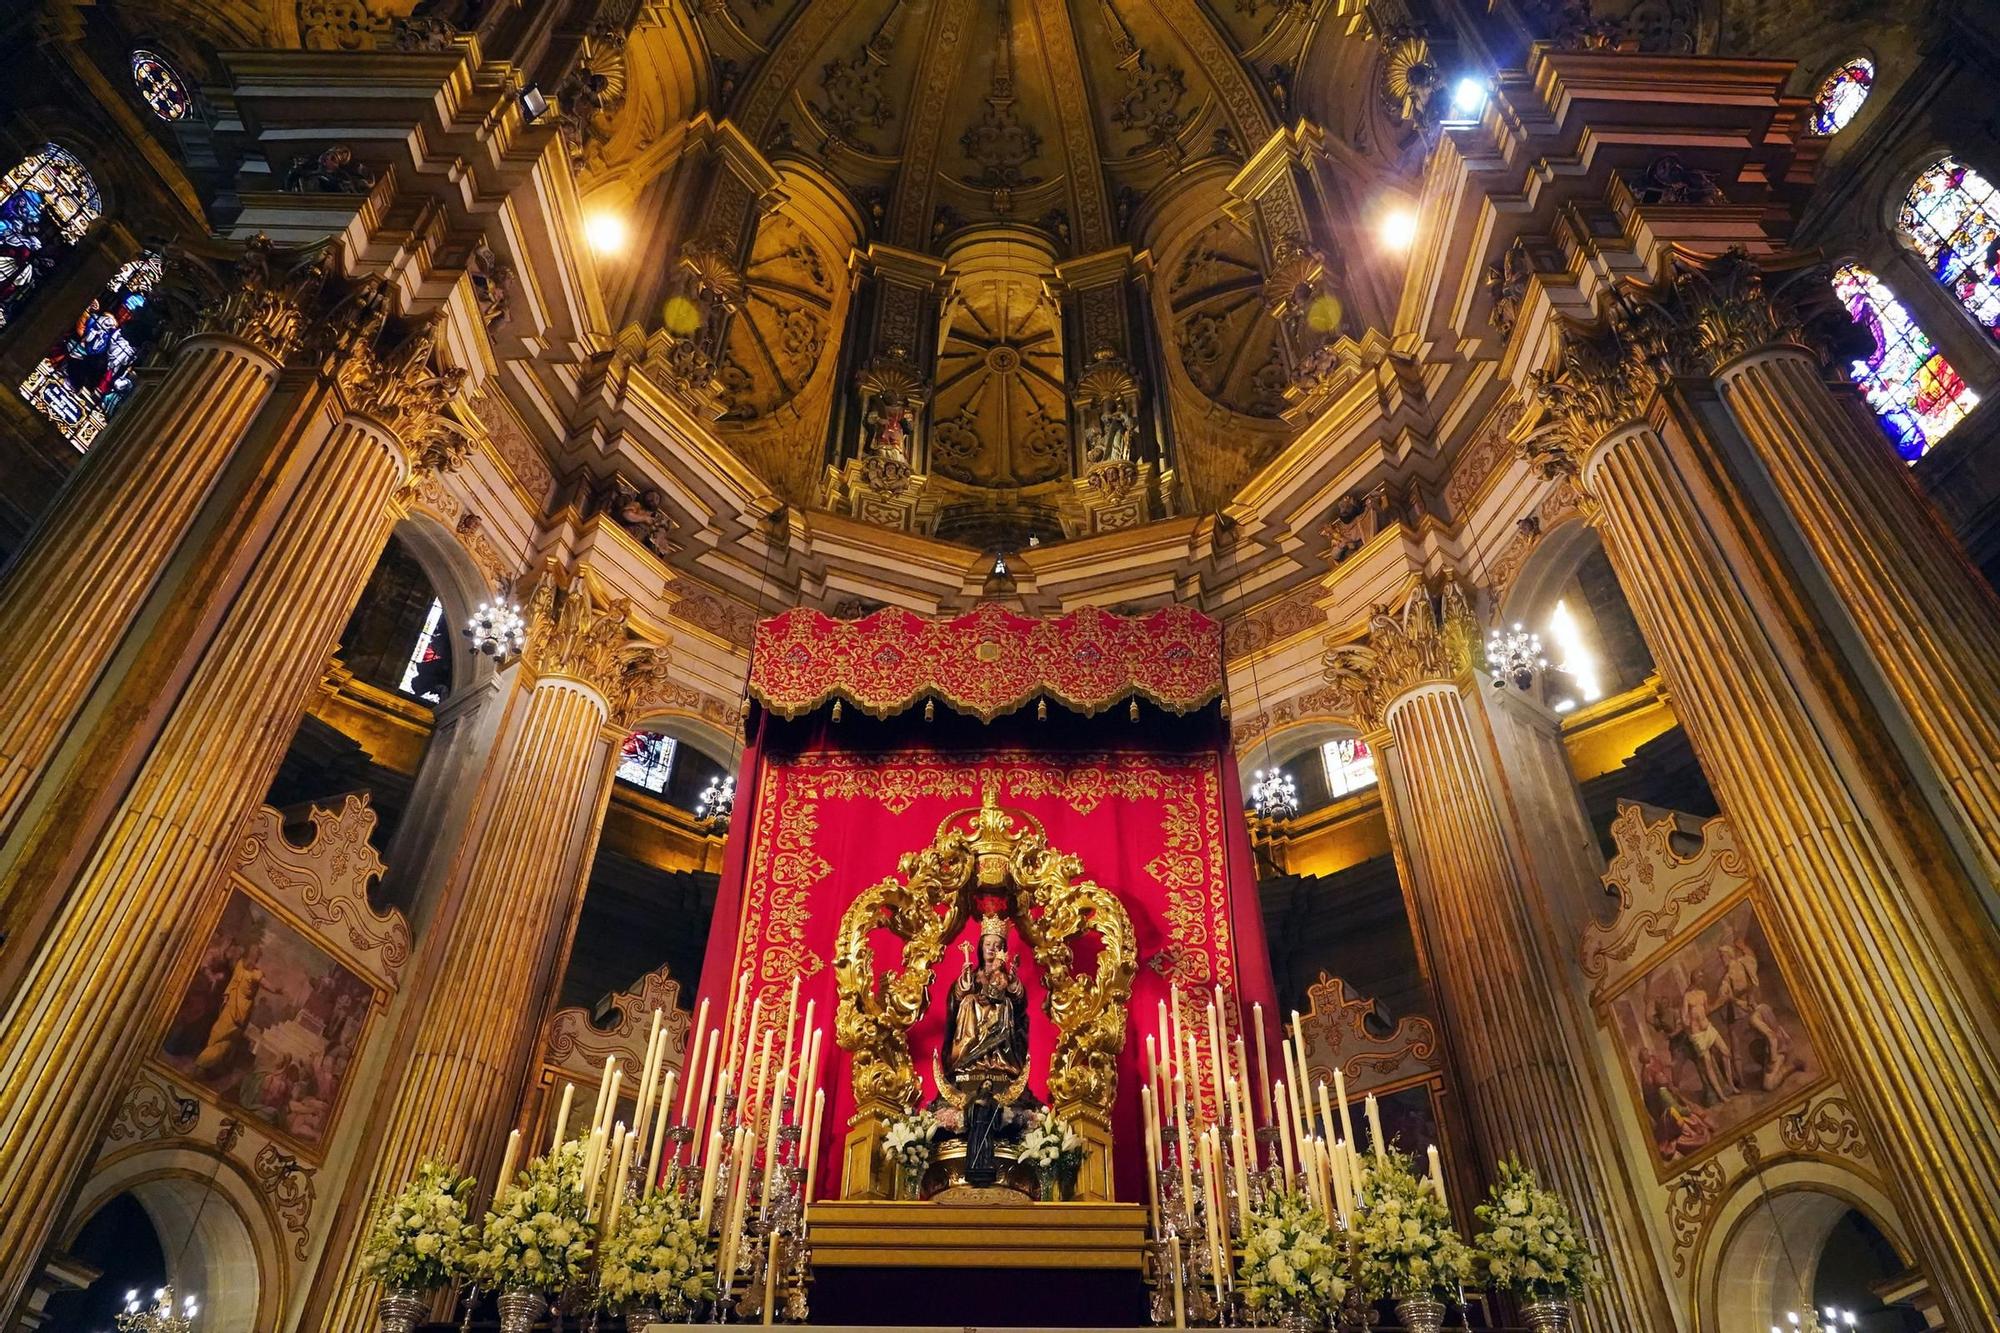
pixel 1711 1038
pixel 269 1022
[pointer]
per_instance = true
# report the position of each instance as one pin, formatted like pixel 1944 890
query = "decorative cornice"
pixel 1430 639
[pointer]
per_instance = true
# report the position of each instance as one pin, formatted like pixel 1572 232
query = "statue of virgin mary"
pixel 986 1026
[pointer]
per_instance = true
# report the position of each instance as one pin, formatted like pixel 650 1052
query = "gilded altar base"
pixel 872 1233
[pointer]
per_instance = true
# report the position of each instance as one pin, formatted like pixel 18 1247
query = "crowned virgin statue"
pixel 986 1025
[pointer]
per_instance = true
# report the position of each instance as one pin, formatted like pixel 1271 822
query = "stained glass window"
pixel 47 203
pixel 427 661
pixel 1953 216
pixel 1842 95
pixel 647 761
pixel 1349 766
pixel 93 368
pixel 1912 388
pixel 161 86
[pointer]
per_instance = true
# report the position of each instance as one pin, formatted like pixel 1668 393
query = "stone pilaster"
pixel 128 888
pixel 496 948
pixel 1519 1054
pixel 1902 954
pixel 69 599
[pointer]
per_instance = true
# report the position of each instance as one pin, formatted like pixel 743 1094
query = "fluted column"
pixel 1516 1047
pixel 496 950
pixel 1929 621
pixel 131 889
pixel 1902 958
pixel 68 600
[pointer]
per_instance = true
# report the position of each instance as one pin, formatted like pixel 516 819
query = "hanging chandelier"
pixel 1273 794
pixel 497 629
pixel 162 1316
pixel 1829 1320
pixel 717 801
pixel 1514 657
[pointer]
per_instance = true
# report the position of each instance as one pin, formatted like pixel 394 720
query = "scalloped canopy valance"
pixel 986 663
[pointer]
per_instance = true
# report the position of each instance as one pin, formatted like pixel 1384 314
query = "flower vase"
pixel 401 1310
pixel 519 1309
pixel 1297 1321
pixel 1049 1180
pixel 1421 1314
pixel 640 1315
pixel 1546 1316
pixel 910 1180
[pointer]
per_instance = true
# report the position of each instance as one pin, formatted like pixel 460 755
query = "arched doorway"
pixel 1798 1246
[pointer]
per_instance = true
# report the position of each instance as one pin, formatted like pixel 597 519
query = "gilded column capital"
pixel 572 635
pixel 254 292
pixel 1597 384
pixel 1731 309
pixel 1430 640
pixel 404 384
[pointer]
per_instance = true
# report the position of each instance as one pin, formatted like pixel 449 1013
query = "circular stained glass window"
pixel 161 86
pixel 1842 95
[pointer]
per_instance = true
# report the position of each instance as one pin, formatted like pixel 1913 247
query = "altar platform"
pixel 919 1265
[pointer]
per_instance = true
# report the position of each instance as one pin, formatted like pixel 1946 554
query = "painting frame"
pixel 1822 1074
pixel 365 983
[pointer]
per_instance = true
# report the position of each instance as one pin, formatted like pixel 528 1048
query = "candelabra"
pixel 162 1316
pixel 1273 794
pixel 1514 657
pixel 497 630
pixel 717 802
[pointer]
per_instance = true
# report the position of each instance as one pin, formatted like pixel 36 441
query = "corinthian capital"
pixel 1597 385
pixel 404 386
pixel 1733 309
pixel 254 292
pixel 572 634
pixel 1429 639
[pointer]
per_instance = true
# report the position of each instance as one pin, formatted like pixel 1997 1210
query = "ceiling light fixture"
pixel 1468 97
pixel 1398 228
pixel 606 232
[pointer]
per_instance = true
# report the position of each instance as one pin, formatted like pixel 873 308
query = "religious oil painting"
pixel 1711 1038
pixel 1409 1119
pixel 269 1022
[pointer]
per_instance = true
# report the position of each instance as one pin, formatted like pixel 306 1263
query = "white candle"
pixel 771 1278
pixel 812 1145
pixel 803 1088
pixel 749 1059
pixel 1181 1127
pixel 648 1074
pixel 1284 1121
pixel 659 1135
pixel 1180 1296
pixel 1242 1177
pixel 1152 1134
pixel 691 1062
pixel 708 1176
pixel 1437 1176
pixel 1340 1100
pixel 1174 1014
pixel 615 1190
pixel 705 1044
pixel 1263 1060
pixel 1153 1065
pixel 1325 1111
pixel 784 1048
pixel 1216 1059
pixel 562 1117
pixel 507 1161
pixel 1166 1048
pixel 1375 1129
pixel 603 1086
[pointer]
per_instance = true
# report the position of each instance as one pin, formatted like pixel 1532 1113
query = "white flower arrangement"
pixel 1404 1232
pixel 658 1255
pixel 1290 1264
pixel 1530 1244
pixel 418 1239
pixel 1048 1142
pixel 538 1237
pixel 907 1142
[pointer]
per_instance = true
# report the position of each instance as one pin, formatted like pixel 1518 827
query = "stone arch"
pixel 693 730
pixel 1767 1222
pixel 458 582
pixel 234 1257
pixel 1298 737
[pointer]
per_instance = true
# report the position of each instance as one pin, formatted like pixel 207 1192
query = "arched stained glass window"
pixel 647 760
pixel 161 86
pixel 1842 95
pixel 47 203
pixel 1912 388
pixel 93 368
pixel 1954 217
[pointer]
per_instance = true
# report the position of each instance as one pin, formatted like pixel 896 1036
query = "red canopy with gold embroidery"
pixel 986 663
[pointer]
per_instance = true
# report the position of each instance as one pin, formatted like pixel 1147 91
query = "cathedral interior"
pixel 1568 410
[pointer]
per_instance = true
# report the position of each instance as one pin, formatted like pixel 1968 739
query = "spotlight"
pixel 534 103
pixel 1468 97
pixel 606 233
pixel 1398 228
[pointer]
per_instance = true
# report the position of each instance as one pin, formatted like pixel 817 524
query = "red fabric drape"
pixel 1153 810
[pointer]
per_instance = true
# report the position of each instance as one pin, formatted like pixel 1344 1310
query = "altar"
pixel 994 856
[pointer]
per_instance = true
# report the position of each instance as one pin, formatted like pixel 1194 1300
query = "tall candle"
pixel 1296 1096
pixel 708 1177
pixel 1174 1013
pixel 705 1044
pixel 749 1059
pixel 603 1086
pixel 1342 1193
pixel 735 1021
pixel 1299 1036
pixel 1326 1191
pixel 1242 1177
pixel 804 1088
pixel 1284 1122
pixel 648 1074
pixel 1325 1111
pixel 659 1135
pixel 1340 1100
pixel 812 1145
pixel 1263 1061
pixel 1181 1126
pixel 507 1160
pixel 1166 1048
pixel 1437 1176
pixel 771 1279
pixel 784 1048
pixel 562 1117
pixel 1375 1129
pixel 691 1063
pixel 1216 1059
pixel 1146 1103
pixel 1218 1216
pixel 615 1190
pixel 1153 1064
pixel 1180 1296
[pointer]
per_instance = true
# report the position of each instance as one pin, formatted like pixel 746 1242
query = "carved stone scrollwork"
pixel 988 853
pixel 1692 1199
pixel 153 1110
pixel 289 1185
pixel 1828 1125
pixel 261 294
pixel 1431 639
